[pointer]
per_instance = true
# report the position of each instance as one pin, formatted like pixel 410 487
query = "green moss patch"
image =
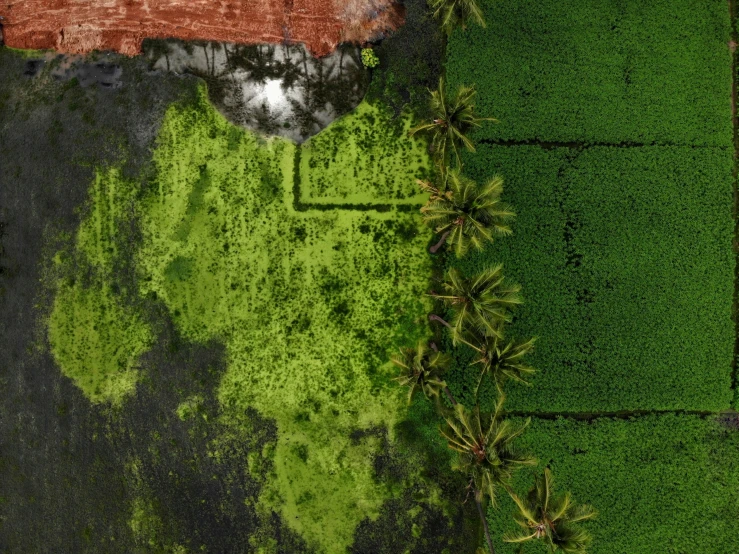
pixel 96 340
pixel 308 304
pixel 95 336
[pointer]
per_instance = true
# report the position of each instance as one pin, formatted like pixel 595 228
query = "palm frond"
pixel 452 118
pixel 553 517
pixel 518 537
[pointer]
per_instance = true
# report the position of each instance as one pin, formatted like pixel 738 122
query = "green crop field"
pixel 625 259
pixel 655 71
pixel 615 143
pixel 660 483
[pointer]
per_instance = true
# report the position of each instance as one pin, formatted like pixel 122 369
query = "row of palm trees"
pixel 468 215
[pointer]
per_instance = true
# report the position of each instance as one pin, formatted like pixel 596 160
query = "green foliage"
pixel 655 481
pixel 481 303
pixel 452 120
pixel 421 370
pixel 453 14
pixel 635 71
pixel 369 58
pixel 500 359
pixel 467 214
pixel 551 518
pixel 625 257
pixel 485 447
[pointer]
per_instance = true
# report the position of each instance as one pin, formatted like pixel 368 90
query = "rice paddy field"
pixel 197 319
pixel 617 146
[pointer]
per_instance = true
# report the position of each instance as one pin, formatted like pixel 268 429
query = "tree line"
pixel 469 215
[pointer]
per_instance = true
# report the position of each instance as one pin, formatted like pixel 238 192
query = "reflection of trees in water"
pixel 316 91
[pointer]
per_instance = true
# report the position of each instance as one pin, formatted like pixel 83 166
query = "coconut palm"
pixel 500 359
pixel 551 518
pixel 466 214
pixel 481 304
pixel 421 370
pixel 456 13
pixel 485 452
pixel 452 120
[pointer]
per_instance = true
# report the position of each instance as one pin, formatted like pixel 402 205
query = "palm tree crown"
pixel 456 13
pixel 485 452
pixel 481 304
pixel 466 213
pixel 501 359
pixel 485 447
pixel 421 370
pixel 452 120
pixel 551 518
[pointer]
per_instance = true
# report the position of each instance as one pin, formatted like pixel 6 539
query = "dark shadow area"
pixel 410 61
pixel 273 89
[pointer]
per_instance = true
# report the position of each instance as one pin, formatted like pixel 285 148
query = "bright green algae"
pixel 307 303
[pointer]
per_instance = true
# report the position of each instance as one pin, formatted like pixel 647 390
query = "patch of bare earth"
pixel 81 26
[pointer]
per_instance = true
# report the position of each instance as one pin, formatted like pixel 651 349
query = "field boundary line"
pixel 621 414
pixel 735 175
pixel 579 145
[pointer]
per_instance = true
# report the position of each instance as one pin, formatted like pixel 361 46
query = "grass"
pixel 364 159
pixel 308 304
pixel 94 335
pixel 657 71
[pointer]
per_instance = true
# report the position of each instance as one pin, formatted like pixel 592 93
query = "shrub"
pixel 369 58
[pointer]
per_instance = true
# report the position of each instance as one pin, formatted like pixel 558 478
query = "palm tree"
pixel 481 304
pixel 466 213
pixel 421 370
pixel 453 119
pixel 485 452
pixel 456 13
pixel 553 519
pixel 501 359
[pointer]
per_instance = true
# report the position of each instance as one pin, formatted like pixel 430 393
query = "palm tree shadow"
pixel 239 78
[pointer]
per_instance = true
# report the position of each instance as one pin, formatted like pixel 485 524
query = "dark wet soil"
pixel 71 470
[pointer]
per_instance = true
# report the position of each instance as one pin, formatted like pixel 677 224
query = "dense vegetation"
pixel 654 480
pixel 615 145
pixel 624 256
pixel 653 71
